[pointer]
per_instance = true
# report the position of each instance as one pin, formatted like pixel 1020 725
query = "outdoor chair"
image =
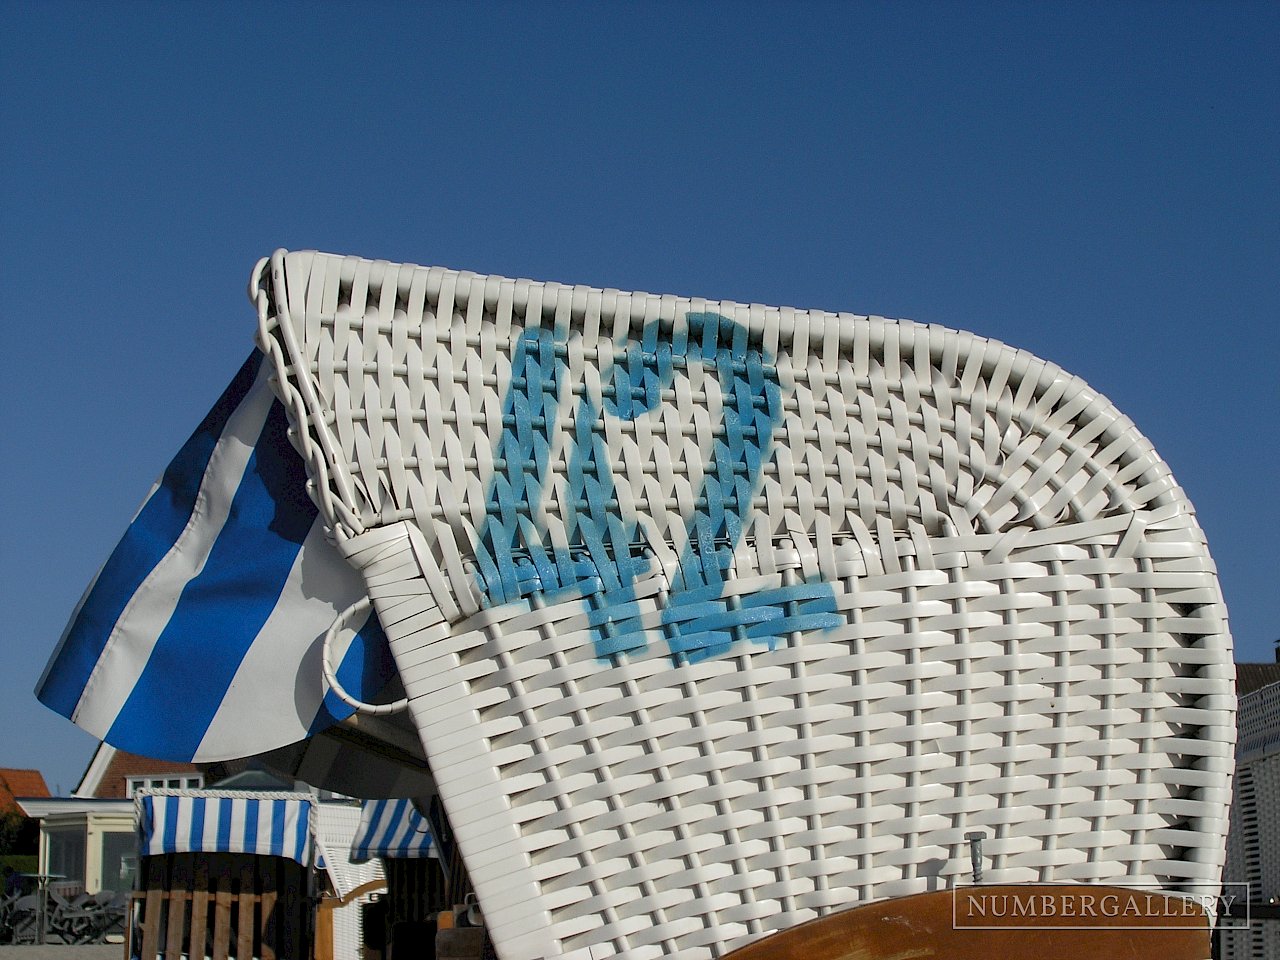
pixel 7 902
pixel 715 618
pixel 89 918
pixel 65 916
pixel 109 913
pixel 24 919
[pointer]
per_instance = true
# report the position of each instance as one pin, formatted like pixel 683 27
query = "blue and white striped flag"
pixel 200 638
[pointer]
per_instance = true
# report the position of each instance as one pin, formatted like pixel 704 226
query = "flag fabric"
pixel 267 824
pixel 200 638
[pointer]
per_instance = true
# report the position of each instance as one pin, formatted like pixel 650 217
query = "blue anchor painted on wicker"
pixel 606 554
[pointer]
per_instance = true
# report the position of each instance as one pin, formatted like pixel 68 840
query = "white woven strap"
pixel 354 613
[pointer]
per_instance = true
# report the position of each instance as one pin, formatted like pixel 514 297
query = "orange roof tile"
pixel 20 783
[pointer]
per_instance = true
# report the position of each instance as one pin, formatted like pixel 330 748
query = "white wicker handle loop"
pixel 363 605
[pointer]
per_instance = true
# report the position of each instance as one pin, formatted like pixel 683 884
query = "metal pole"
pixel 42 906
pixel 975 853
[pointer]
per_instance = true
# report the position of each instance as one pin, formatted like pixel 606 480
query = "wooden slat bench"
pixel 222 906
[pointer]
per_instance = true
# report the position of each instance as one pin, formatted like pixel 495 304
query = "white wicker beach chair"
pixel 714 618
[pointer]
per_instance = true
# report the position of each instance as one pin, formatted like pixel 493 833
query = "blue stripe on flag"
pixel 169 820
pixel 148 539
pixel 302 835
pixel 279 811
pixel 223 841
pixel 398 834
pixel 250 836
pixel 222 609
pixel 143 826
pixel 197 824
pixel 412 826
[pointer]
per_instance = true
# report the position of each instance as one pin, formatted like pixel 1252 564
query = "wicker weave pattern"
pixel 716 617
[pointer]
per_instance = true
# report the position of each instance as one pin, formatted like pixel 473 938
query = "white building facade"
pixel 1253 843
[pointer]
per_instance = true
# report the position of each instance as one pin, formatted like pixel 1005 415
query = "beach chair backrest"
pixel 716 617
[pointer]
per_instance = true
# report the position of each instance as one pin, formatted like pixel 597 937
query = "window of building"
pixel 66 852
pixel 119 861
pixel 165 782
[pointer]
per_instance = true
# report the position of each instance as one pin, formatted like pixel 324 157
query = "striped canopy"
pixel 393 829
pixel 203 821
pixel 199 639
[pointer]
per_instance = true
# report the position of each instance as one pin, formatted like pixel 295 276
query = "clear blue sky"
pixel 1095 182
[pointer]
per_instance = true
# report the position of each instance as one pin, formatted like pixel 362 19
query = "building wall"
pixel 1253 843
pixel 81 836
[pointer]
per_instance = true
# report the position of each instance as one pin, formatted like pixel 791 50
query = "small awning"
pixel 214 821
pixel 392 829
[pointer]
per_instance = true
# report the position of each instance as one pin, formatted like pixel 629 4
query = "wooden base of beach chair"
pixel 1067 922
pixel 221 906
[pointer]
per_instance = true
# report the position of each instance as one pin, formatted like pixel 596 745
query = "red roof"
pixel 114 780
pixel 20 783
